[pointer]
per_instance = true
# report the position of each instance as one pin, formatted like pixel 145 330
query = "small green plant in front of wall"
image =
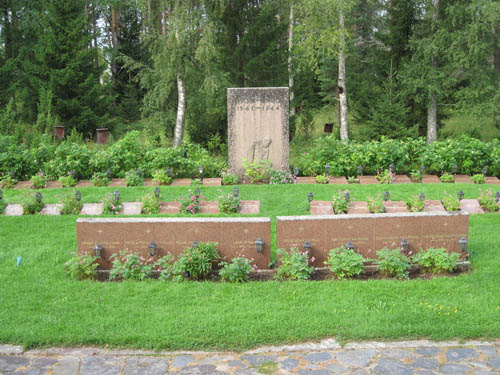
pixel 111 204
pixel 228 178
pixel 281 178
pixel 196 182
pixel 488 202
pixel 237 271
pixel 376 205
pixel 82 267
pixel 100 179
pixel 150 204
pixel 3 205
pixel 8 182
pixel 385 177
pixel 353 180
pixel 228 203
pixel 67 181
pixel 340 204
pixel 196 262
pixel 436 260
pixel 478 179
pixel 134 178
pixel 447 178
pixel 38 181
pixel 161 177
pixel 293 265
pixel 32 205
pixel 416 176
pixel 190 203
pixel 415 204
pixel 130 266
pixel 345 263
pixel 257 171
pixel 322 179
pixel 450 202
pixel 392 263
pixel 71 206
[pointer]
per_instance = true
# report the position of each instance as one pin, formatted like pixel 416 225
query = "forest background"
pixel 373 68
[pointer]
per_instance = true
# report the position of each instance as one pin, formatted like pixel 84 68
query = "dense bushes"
pixel 468 154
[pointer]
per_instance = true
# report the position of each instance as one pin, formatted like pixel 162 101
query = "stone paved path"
pixel 324 358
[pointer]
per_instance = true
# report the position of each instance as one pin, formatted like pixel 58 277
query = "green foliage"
pixel 345 263
pixel 228 178
pixel 447 178
pixel 8 182
pixel 450 202
pixel 237 271
pixel 111 205
pixel 436 260
pixel 353 180
pixel 196 262
pixel 293 265
pixel 376 205
pixel 416 176
pixel 340 204
pixel 392 263
pixel 134 179
pixel 322 179
pixel 69 157
pixel 160 177
pixel 100 179
pixel 385 177
pixel 31 206
pixel 198 182
pixel 414 204
pixel 478 178
pixel 257 171
pixel 165 267
pixel 281 177
pixel 488 202
pixel 190 203
pixel 150 204
pixel 3 204
pixel 228 203
pixel 71 206
pixel 67 181
pixel 130 266
pixel 38 181
pixel 82 267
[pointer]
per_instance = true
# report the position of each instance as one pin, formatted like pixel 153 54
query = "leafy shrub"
pixel 165 267
pixel 196 182
pixel 228 178
pixel 392 263
pixel 67 181
pixel 237 271
pixel 7 182
pixel 3 205
pixel 340 204
pixel 196 262
pixel 436 260
pixel 376 205
pixel 190 203
pixel 353 180
pixel 478 179
pixel 447 178
pixel 38 181
pixel 257 171
pixel 293 265
pixel 416 176
pixel 130 266
pixel 322 179
pixel 161 177
pixel 344 263
pixel 134 178
pixel 111 205
pixel 69 157
pixel 71 206
pixel 385 177
pixel 450 202
pixel 82 267
pixel 488 202
pixel 150 204
pixel 414 204
pixel 100 179
pixel 228 203
pixel 281 177
pixel 32 206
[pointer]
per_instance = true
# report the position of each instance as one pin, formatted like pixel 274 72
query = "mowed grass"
pixel 40 306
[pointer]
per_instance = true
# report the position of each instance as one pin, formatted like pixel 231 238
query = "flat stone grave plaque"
pixel 430 179
pixel 170 207
pixel 181 182
pixel 92 209
pixel 13 210
pixel 395 206
pixel 53 185
pixel 23 185
pixel 337 180
pixel 209 207
pixel 433 206
pixel 212 182
pixel 131 208
pixel 118 182
pixel 358 208
pixel 249 207
pixel 462 179
pixel 321 208
pixel 52 209
pixel 401 179
pixel 306 180
pixel 258 126
pixel 368 180
pixel 471 206
pixel 492 180
pixel 84 183
pixel 370 233
pixel 235 237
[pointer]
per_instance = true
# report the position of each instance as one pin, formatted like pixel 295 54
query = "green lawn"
pixel 40 306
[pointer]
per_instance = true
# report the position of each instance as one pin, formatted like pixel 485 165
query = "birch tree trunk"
pixel 432 110
pixel 290 60
pixel 181 110
pixel 344 132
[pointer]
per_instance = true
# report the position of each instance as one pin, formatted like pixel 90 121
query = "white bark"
pixel 181 110
pixel 290 60
pixel 432 110
pixel 344 132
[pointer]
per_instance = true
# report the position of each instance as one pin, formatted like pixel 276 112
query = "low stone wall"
pixel 371 232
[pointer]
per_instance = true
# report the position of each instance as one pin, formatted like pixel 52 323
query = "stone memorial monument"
pixel 258 126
